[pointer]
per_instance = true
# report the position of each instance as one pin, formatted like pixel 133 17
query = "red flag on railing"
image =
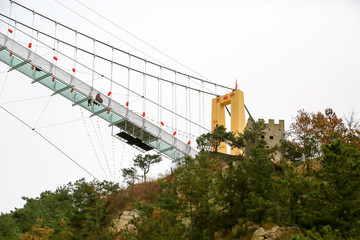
pixel 236 85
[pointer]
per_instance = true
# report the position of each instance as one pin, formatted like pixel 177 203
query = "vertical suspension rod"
pixel 128 83
pixel 108 45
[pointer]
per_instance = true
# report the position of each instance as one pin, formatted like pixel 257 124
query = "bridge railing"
pixel 61 82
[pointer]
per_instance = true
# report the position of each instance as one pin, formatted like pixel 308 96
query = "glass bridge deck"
pixel 134 130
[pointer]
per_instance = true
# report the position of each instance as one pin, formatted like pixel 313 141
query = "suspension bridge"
pixel 148 105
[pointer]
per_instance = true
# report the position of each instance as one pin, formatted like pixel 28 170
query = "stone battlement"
pixel 271 123
pixel 274 132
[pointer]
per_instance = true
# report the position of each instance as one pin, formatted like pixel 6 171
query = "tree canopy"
pixel 315 186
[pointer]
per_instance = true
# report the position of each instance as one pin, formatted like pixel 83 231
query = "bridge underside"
pixel 134 130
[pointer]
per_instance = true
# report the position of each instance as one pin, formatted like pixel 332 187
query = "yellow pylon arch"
pixel 236 99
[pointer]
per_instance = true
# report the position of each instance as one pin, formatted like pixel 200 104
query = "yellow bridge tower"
pixel 236 99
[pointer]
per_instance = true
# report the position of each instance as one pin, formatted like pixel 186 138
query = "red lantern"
pixel 188 142
pixel 108 111
pixel 109 93
pixel 55 58
pixel 162 124
pixel 10 31
pixel 127 104
pixel 32 67
pixel 143 114
pixel 10 54
pixel 174 133
pixel 72 90
pixel 30 45
pixel 73 69
pixel 53 79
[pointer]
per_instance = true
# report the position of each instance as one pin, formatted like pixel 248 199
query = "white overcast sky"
pixel 286 55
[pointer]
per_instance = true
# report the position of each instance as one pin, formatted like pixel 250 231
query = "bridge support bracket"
pixel 80 101
pixel 61 90
pixel 17 66
pixel 40 78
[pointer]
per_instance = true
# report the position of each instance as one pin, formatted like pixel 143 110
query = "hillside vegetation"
pixel 315 188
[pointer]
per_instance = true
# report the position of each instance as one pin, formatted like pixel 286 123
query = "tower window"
pixel 271 137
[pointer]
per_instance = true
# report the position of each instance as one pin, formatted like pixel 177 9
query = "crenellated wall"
pixel 274 132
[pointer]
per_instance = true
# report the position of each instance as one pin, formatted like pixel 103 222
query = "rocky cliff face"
pixel 275 233
pixel 244 231
pixel 252 231
pixel 124 221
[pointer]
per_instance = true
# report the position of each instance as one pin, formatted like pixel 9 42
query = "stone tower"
pixel 273 134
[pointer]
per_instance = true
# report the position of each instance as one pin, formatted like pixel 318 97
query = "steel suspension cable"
pixel 160 97
pixel 108 45
pixel 175 71
pixel 210 92
pixel 93 69
pixel 203 107
pixel 156 49
pixel 122 158
pixel 113 153
pixel 111 74
pixel 129 90
pixel 110 94
pixel 195 78
pixel 133 46
pixel 199 111
pixel 7 32
pixel 54 48
pixel 92 143
pixel 102 145
pixel 216 91
pixel 144 93
pixel 51 143
pixel 61 123
pixel 175 80
pixel 2 89
pixel 32 31
pixel 172 106
pixel 128 83
pixel 75 56
pixel 189 117
pixel 47 103
pixel 22 100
